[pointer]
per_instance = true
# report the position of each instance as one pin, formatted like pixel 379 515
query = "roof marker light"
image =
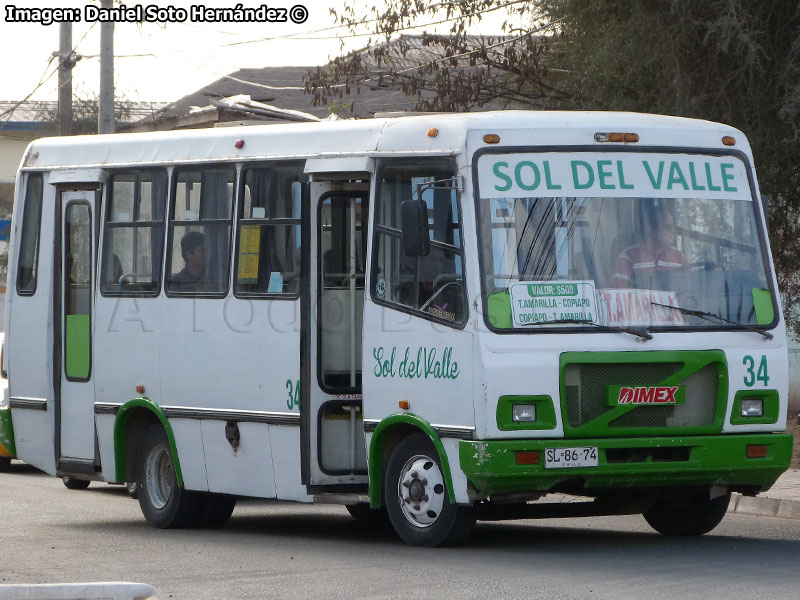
pixel 729 140
pixel 491 138
pixel 628 138
pixel 238 144
pixel 433 132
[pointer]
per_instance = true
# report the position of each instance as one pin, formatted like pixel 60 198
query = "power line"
pixel 43 79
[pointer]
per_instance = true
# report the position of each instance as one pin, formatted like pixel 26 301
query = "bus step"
pixel 341 498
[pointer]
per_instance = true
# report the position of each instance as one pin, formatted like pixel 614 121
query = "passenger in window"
pixel 656 252
pixel 191 277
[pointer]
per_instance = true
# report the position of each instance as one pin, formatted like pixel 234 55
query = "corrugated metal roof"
pixel 31 114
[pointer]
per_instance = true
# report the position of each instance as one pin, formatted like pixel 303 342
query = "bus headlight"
pixel 523 413
pixel 752 407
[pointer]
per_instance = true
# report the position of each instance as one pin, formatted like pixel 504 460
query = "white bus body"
pixel 316 354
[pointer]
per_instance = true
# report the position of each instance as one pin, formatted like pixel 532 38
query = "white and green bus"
pixel 439 317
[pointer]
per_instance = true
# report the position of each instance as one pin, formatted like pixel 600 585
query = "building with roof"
pixel 279 94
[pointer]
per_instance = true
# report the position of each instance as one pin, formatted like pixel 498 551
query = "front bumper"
pixel 490 465
pixel 7 447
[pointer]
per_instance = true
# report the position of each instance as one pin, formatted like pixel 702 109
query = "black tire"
pixel 370 517
pixel 217 509
pixel 686 514
pixel 416 498
pixel 164 504
pixel 71 483
pixel 5 464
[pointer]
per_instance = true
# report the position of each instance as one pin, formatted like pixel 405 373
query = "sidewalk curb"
pixel 762 506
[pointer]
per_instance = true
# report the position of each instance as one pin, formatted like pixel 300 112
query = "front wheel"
pixel 164 503
pixel 5 463
pixel 416 497
pixel 687 514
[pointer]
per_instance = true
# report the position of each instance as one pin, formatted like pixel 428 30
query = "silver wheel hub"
pixel 421 491
pixel 159 477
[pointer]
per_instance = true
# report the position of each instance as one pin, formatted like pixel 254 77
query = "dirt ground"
pixel 793 427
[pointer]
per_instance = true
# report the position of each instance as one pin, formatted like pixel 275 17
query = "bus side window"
pixel 434 284
pixel 27 266
pixel 134 233
pixel 200 231
pixel 268 231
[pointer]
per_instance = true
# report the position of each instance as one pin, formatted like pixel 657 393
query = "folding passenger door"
pixel 73 332
pixel 333 449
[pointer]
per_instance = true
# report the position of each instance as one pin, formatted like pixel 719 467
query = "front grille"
pixel 586 395
pixel 585 385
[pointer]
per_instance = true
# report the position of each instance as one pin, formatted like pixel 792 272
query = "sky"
pixel 162 62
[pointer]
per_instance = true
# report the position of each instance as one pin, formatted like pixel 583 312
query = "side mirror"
pixel 414 225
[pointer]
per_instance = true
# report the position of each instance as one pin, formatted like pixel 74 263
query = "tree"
pixel 444 72
pixel 84 115
pixel 733 61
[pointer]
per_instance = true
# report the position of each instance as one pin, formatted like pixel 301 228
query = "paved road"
pixel 278 550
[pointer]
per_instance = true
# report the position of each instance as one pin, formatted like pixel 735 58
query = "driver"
pixel 656 251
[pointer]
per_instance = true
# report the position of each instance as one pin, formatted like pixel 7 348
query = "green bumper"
pixel 7 447
pixel 490 465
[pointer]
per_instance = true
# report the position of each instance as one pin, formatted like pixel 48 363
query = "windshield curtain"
pixel 634 261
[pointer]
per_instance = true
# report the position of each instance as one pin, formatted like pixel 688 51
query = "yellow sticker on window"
pixel 249 245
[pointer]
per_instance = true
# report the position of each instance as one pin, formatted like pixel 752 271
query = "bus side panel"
pixel 245 469
pixel 105 442
pixel 428 364
pixel 189 445
pixel 233 355
pixel 286 458
pixel 126 355
pixel 29 344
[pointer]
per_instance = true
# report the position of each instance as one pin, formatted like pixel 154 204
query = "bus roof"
pixel 394 136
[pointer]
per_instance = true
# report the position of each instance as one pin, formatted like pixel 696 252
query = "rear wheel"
pixel 687 514
pixel 416 497
pixel 164 503
pixel 71 483
pixel 5 463
pixel 217 509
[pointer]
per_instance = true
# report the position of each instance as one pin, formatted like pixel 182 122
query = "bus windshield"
pixel 634 240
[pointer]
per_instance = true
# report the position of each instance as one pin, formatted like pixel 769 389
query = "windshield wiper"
pixel 709 316
pixel 641 333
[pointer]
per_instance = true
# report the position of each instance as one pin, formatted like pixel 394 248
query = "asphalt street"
pixel 282 550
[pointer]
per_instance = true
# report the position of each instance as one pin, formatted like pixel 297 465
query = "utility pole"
pixel 105 113
pixel 65 64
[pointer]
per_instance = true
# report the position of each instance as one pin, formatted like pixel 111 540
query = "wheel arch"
pixel 132 419
pixel 386 437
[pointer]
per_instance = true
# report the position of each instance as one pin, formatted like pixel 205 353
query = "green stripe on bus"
pixel 7 447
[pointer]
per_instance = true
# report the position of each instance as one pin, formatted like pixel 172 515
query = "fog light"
pixel 523 413
pixel 753 407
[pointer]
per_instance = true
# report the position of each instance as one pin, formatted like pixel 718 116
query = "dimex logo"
pixel 648 395
pixel 651 395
